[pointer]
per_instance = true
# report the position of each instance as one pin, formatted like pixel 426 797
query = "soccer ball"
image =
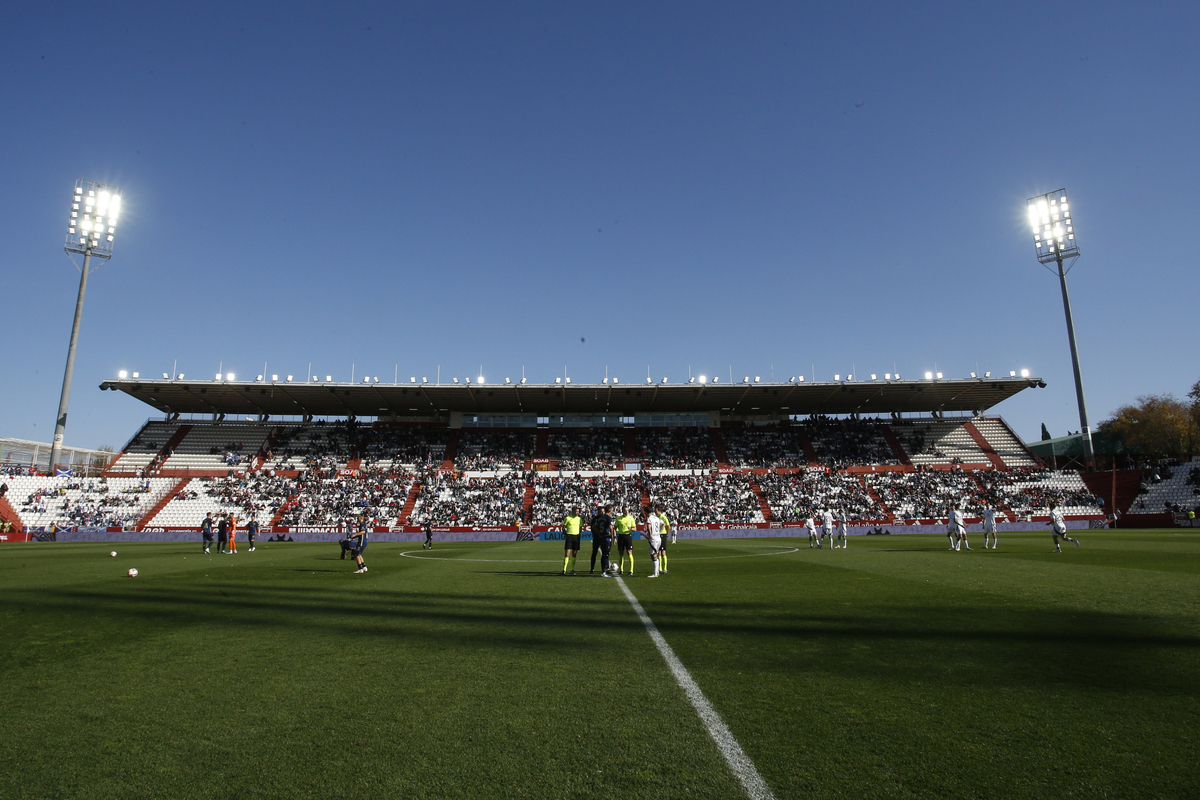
pixel 113 554
pixel 132 572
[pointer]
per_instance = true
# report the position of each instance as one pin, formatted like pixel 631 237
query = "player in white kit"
pixel 841 520
pixel 1058 527
pixel 811 527
pixel 654 537
pixel 989 525
pixel 959 521
pixel 827 526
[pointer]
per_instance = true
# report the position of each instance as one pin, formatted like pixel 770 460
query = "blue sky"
pixel 756 187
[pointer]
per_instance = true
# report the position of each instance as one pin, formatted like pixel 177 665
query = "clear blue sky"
pixel 749 186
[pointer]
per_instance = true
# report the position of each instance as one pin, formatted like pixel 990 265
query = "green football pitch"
pixel 890 669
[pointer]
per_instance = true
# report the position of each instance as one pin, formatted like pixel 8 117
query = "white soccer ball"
pixel 132 572
pixel 113 554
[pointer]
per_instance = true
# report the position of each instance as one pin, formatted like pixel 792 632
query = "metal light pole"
pixel 1054 240
pixel 94 211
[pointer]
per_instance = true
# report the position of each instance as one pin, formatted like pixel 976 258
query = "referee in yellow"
pixel 572 524
pixel 625 525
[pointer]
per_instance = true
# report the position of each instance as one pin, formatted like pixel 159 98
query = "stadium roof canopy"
pixel 416 399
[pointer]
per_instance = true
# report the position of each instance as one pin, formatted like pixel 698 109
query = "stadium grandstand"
pixel 512 458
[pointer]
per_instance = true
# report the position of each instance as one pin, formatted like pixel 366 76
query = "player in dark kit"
pixel 222 535
pixel 356 543
pixel 206 531
pixel 602 539
pixel 252 532
pixel 428 537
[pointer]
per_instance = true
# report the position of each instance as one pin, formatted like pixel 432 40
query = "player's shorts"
pixel 250 537
pixel 208 535
pixel 655 544
pixel 1059 531
pixel 571 541
pixel 826 531
pixel 665 540
pixel 989 528
pixel 624 542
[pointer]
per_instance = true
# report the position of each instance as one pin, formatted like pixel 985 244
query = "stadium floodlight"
pixel 329 379
pixel 559 380
pixel 703 379
pixel 716 378
pixel 91 227
pixel 258 378
pixel 615 380
pixel 837 377
pixel 928 376
pixel 649 380
pixel 873 376
pixel 122 374
pixel 939 376
pixel 165 376
pixel 522 381
pixel 1012 373
pixel 690 380
pixel 887 376
pixel 568 380
pixel 456 380
pixel 664 379
pixel 897 376
pixel 799 379
pixel 480 380
pixel 757 379
pixel 289 378
pixel 746 379
pixel 218 377
pixel 1024 373
pixel 987 374
pixel 274 378
pixel 179 377
pixel 367 379
pixel 424 380
pixel 135 375
pixel 228 376
pixel 1054 242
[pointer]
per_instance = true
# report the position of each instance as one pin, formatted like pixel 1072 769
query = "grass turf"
pixel 890 669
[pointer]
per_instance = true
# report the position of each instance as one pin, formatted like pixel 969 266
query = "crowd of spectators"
pixel 554 497
pixel 587 449
pixel 841 443
pixel 482 449
pixel 331 497
pixel 315 446
pixel 89 503
pixel 764 447
pixel 247 495
pixel 416 448
pixel 676 448
pixel 1036 490
pixel 928 494
pixel 708 498
pixel 912 438
pixel 796 496
pixel 445 499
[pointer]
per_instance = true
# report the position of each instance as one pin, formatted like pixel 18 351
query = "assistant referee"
pixel 571 525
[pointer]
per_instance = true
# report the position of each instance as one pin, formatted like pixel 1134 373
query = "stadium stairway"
pixel 541 444
pixel 167 448
pixel 451 451
pixel 987 448
pixel 718 445
pixel 810 452
pixel 887 512
pixel 354 464
pixel 149 516
pixel 1119 489
pixel 409 503
pixel 9 514
pixel 632 452
pixel 267 446
pixel 760 495
pixel 527 504
pixel 894 442
pixel 1001 507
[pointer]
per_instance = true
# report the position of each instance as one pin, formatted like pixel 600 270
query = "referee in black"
pixel 602 539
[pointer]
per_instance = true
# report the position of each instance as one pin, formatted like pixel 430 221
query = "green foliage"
pixel 1157 426
pixel 890 669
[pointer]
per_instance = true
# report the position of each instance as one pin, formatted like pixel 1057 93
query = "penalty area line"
pixel 743 768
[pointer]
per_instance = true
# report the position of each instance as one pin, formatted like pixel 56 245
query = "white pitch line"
pixel 420 557
pixel 743 768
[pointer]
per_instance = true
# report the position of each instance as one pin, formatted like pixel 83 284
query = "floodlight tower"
pixel 1054 241
pixel 93 223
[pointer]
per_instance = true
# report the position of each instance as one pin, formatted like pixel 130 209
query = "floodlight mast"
pixel 1054 240
pixel 90 231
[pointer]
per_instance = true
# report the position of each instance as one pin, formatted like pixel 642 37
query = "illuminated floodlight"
pixel 366 380
pixel 928 376
pixel 92 220
pixel 135 375
pixel 837 377
pixel 873 376
pixel 122 374
pixel 973 375
pixel 1052 226
pixel 228 376
pixel 939 376
pixel 329 379
pixel 897 376
pixel 615 380
pixel 1012 373
pixel 800 379
pixel 1024 373
pixel 480 380
pixel 218 377
pixel 559 380
pixel 274 378
pixel 887 376
pixel 703 379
